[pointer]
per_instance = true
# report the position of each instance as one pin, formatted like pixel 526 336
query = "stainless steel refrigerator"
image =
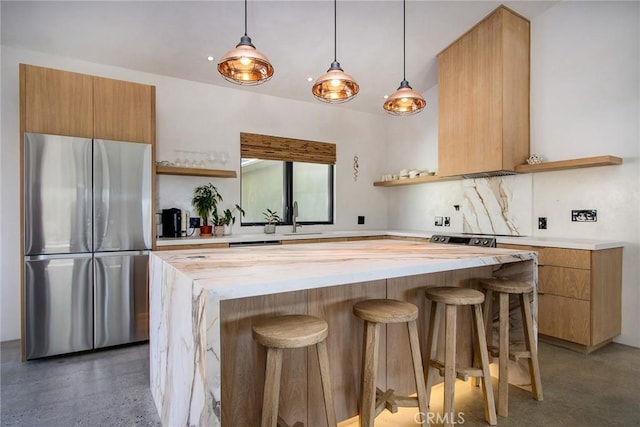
pixel 88 220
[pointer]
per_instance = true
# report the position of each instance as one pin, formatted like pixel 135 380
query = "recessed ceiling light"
pixel 386 96
pixel 309 79
pixel 210 58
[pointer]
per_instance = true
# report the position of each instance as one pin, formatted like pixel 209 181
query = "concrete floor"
pixel 111 388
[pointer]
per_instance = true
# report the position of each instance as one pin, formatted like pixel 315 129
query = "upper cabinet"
pixel 64 103
pixel 123 111
pixel 483 101
pixel 56 102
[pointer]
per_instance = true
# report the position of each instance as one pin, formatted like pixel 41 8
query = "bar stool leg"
pixel 325 375
pixel 503 350
pixel 432 341
pixel 271 396
pixel 487 312
pixel 488 316
pixel 418 370
pixel 449 363
pixel 487 387
pixel 534 368
pixel 370 371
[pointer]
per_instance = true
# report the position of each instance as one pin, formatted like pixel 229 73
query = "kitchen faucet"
pixel 295 216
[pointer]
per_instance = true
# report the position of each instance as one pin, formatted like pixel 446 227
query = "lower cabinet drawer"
pixel 566 282
pixel 564 318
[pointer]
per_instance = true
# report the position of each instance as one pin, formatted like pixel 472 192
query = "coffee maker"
pixel 171 222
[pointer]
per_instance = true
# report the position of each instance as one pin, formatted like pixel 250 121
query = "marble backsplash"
pixel 498 205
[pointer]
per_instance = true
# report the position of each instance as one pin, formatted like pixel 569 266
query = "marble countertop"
pixel 258 270
pixel 261 237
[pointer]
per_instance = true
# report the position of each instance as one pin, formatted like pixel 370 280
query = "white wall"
pixel 198 117
pixel 585 101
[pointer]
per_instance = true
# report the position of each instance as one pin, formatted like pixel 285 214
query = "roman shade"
pixel 265 147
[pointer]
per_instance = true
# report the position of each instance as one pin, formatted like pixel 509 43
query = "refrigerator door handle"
pixel 119 253
pixel 45 257
pixel 101 194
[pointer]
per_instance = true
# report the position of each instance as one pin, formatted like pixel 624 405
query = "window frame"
pixel 287 217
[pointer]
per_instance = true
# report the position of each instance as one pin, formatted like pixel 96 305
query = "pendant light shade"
pixel 404 101
pixel 244 65
pixel 335 86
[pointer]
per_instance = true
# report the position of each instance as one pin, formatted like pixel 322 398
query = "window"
pixel 275 185
pixel 276 172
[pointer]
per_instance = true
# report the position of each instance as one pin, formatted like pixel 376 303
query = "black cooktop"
pixel 485 241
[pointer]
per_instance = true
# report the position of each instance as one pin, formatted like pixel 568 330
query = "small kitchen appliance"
pixel 171 222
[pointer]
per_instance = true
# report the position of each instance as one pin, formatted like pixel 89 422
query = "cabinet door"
pixel 564 318
pixel 56 102
pixel 567 282
pixel 123 111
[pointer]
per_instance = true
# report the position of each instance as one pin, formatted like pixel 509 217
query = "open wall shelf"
pixel 417 180
pixel 586 162
pixel 212 173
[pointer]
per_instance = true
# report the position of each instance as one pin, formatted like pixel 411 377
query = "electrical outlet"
pixel 584 215
pixel 360 219
pixel 194 222
pixel 447 221
pixel 542 223
pixel 438 221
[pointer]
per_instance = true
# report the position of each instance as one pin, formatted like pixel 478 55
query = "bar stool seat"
pixel 376 312
pixel 503 288
pixel 285 332
pixel 452 297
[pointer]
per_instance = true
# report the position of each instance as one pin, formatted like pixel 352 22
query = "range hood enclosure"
pixel 483 101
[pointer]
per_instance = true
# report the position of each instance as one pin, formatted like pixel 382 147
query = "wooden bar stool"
pixel 372 400
pixel 504 288
pixel 451 298
pixel 292 331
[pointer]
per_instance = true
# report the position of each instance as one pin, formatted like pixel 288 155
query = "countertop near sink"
pixel 552 242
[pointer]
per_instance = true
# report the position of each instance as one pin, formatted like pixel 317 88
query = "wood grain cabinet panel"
pixel 56 102
pixel 564 318
pixel 567 282
pixel 483 97
pixel 124 111
pixel 572 258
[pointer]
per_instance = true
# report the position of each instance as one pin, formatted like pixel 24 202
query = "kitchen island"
pixel 205 368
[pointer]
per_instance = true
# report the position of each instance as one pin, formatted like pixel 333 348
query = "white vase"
pixel 269 228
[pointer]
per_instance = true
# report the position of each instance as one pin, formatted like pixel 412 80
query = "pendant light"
pixel 404 101
pixel 335 86
pixel 244 65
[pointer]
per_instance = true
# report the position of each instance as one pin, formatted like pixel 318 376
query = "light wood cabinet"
pixel 56 102
pixel 65 103
pixel 580 296
pixel 123 111
pixel 483 97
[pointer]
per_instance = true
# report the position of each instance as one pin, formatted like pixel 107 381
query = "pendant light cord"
pixel 245 17
pixel 335 30
pixel 404 39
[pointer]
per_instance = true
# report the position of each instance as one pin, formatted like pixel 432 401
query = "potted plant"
pixel 205 200
pixel 272 218
pixel 228 218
